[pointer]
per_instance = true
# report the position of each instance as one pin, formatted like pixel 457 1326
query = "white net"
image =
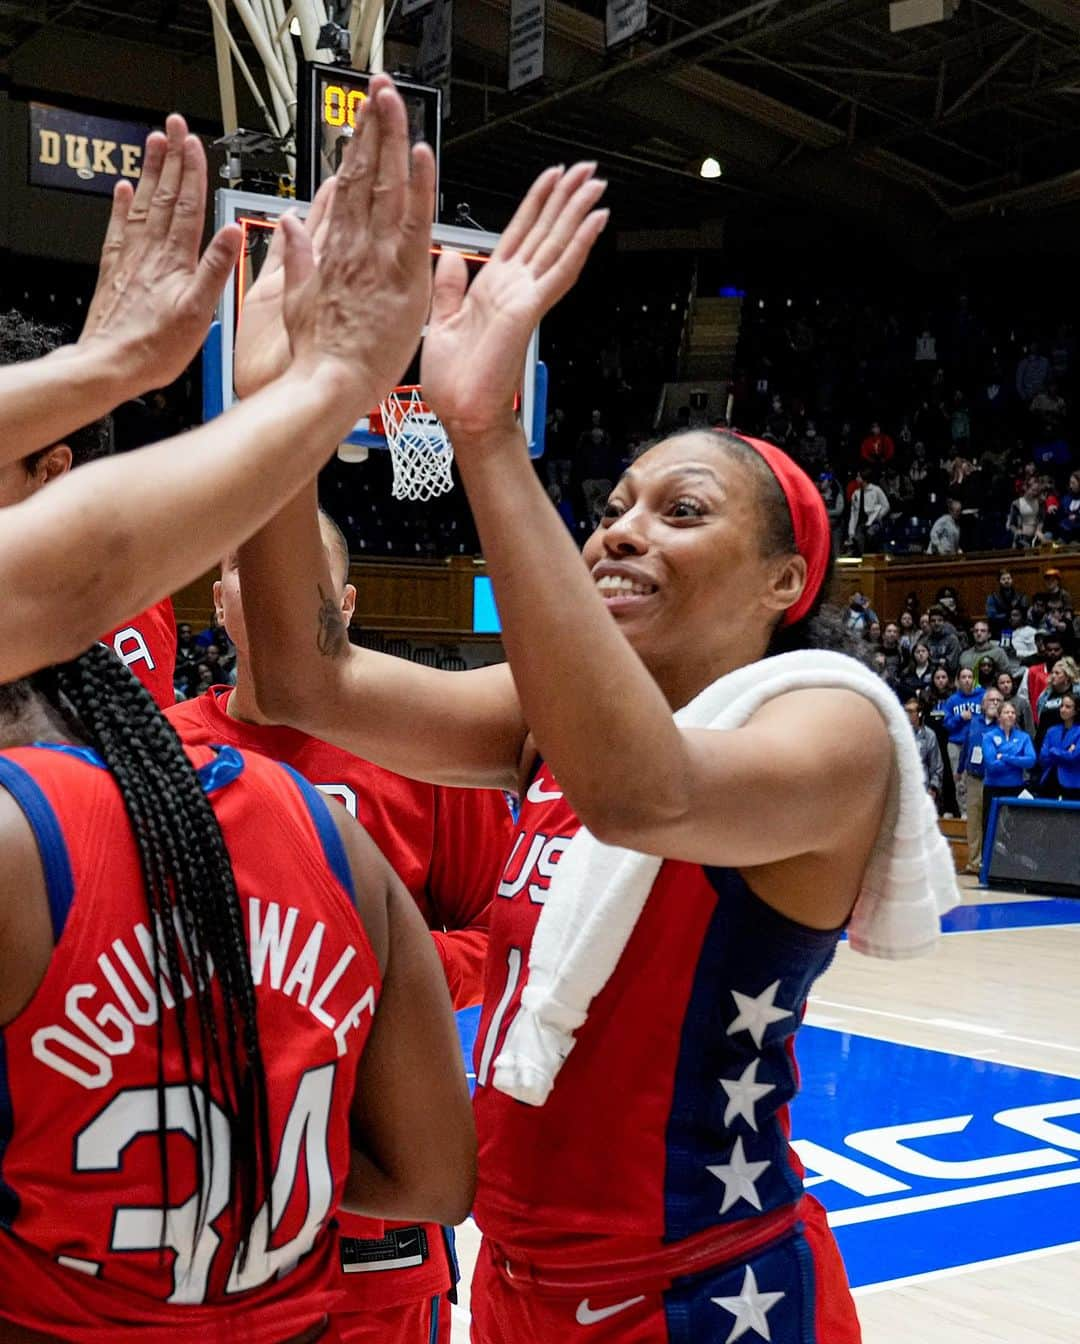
pixel 419 447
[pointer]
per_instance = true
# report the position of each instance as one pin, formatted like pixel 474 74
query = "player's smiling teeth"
pixel 616 584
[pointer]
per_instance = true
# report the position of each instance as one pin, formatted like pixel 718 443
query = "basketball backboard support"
pixel 258 216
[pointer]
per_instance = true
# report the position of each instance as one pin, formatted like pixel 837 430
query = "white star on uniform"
pixel 756 1015
pixel 750 1308
pixel 744 1093
pixel 740 1178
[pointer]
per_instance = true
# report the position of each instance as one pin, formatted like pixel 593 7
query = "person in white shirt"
pixel 869 509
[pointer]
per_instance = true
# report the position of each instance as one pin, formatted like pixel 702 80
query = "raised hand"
pixel 155 296
pixel 474 350
pixel 360 307
pixel 262 351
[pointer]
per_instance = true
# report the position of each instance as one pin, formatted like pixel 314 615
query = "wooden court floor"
pixel 1008 996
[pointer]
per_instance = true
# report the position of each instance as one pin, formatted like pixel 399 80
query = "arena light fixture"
pixel 710 168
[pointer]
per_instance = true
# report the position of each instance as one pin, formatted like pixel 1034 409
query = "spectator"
pixel 1000 603
pixel 1032 374
pixel 1018 641
pixel 972 765
pixel 1068 520
pixel 1064 679
pixel 1037 677
pixel 877 448
pixel 778 426
pixel 982 646
pixel 929 751
pixel 869 510
pixel 1059 621
pixel 941 689
pixel 860 614
pixel 985 673
pixel 992 401
pixel 942 640
pixel 945 534
pixel 918 674
pixel 829 489
pixel 960 423
pixel 873 634
pixel 186 650
pixel 924 480
pixel 881 669
pixel 813 449
pixel 909 633
pixel 890 647
pixel 949 598
pixel 214 633
pixel 1007 753
pixel 1052 578
pixel 1048 410
pixel 1060 755
pixel 925 347
pixel 595 456
pixel 960 709
pixel 1008 685
pixel 1026 516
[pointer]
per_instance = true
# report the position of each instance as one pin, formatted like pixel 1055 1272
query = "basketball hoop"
pixel 419 447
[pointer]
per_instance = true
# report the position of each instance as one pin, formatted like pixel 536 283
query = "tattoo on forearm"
pixel 332 640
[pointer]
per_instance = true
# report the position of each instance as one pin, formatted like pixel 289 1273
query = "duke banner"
pixel 83 153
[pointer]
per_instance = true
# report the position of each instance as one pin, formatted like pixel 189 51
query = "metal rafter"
pixel 793 25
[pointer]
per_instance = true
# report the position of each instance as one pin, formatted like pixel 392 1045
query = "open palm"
pixel 263 350
pixel 477 337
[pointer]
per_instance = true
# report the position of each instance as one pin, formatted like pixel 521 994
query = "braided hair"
pixel 194 907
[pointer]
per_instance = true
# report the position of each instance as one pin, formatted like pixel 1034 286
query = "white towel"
pixel 599 891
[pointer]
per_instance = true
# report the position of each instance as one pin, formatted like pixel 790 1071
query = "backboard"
pixel 258 216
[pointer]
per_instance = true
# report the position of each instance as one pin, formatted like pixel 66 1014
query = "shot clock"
pixel 331 106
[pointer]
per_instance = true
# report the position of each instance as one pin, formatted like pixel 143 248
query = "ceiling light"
pixel 711 168
pixel 294 27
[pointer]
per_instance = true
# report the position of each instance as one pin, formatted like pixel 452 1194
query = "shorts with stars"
pixel 792 1292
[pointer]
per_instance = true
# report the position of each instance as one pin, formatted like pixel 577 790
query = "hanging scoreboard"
pixel 330 107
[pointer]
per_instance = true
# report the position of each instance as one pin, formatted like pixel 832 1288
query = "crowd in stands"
pixel 992 696
pixel 941 432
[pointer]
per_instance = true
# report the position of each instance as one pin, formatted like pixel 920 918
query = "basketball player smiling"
pixel 654 1197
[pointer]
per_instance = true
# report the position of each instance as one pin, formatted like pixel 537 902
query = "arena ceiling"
pixel 813 103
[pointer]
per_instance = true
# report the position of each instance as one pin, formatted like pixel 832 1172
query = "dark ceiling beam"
pixel 892 113
pixel 847 71
pixel 1017 98
pixel 792 27
pixel 1064 12
pixel 987 75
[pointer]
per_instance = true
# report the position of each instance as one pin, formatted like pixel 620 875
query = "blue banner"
pixel 78 152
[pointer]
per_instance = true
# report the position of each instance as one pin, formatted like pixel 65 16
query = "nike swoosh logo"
pixel 586 1315
pixel 538 794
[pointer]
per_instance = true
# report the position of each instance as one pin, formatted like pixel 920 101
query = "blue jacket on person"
pixel 971 758
pixel 1061 748
pixel 1006 758
pixel 955 725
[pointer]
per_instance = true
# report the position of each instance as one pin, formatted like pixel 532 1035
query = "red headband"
pixel 809 521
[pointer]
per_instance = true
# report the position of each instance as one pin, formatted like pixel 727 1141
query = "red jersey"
pixel 669 1119
pixel 147 645
pixel 80 1181
pixel 448 847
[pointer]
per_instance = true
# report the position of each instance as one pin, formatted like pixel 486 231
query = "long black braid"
pixel 195 918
